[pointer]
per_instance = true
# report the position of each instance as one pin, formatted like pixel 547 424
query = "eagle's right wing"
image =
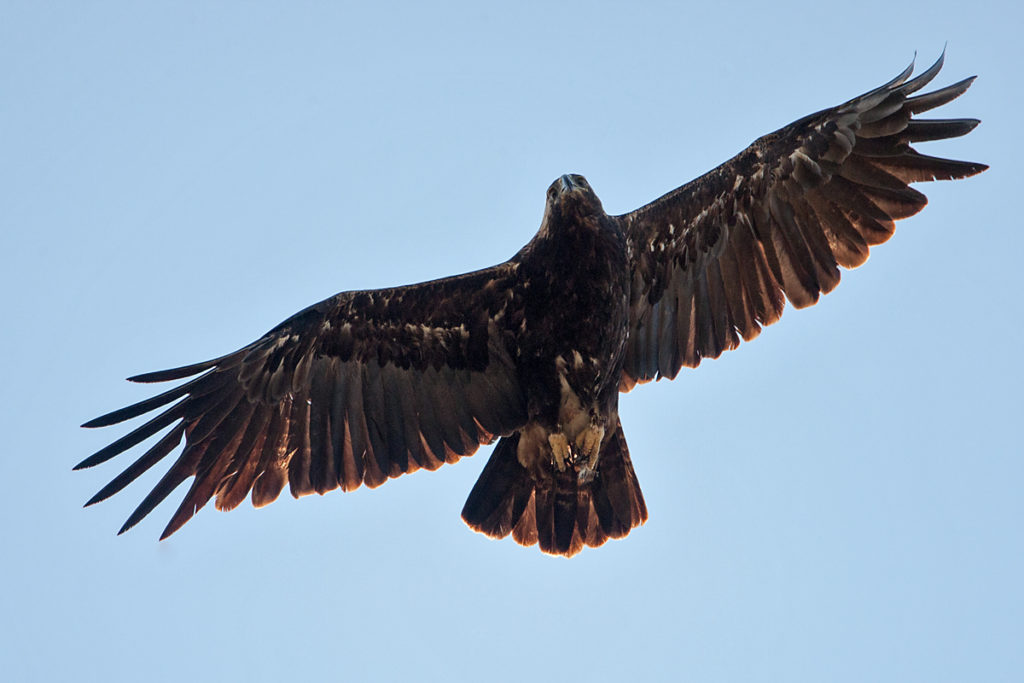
pixel 713 259
pixel 361 387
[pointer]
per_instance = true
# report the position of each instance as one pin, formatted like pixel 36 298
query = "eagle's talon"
pixel 559 450
pixel 589 443
pixel 587 451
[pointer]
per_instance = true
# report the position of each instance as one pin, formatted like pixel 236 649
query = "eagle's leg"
pixel 559 449
pixel 588 442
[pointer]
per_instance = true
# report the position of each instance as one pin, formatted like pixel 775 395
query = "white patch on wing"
pixel 798 154
pixel 846 139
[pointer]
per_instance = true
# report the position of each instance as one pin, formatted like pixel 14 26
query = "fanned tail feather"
pixel 551 508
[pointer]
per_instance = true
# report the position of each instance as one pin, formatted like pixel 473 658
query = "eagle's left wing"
pixel 357 389
pixel 713 260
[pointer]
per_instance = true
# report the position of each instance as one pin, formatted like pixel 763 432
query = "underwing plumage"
pixel 368 385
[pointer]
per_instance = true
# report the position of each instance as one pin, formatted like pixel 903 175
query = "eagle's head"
pixel 571 198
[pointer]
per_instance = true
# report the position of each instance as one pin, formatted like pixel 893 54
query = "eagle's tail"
pixel 550 507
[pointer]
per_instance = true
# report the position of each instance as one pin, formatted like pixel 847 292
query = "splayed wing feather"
pixel 345 393
pixel 151 457
pixel 776 221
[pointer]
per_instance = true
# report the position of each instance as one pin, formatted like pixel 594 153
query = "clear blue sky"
pixel 840 500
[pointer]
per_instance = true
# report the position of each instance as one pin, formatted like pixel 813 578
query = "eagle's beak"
pixel 566 184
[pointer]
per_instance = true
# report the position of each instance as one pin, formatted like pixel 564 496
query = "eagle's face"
pixel 571 197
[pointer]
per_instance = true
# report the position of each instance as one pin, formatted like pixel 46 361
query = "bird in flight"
pixel 534 352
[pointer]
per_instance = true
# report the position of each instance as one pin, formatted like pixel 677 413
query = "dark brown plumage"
pixel 366 386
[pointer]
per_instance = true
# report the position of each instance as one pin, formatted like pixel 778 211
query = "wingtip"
pixel 971 169
pixel 176 373
pixel 965 169
pixel 127 525
pixel 925 77
pixel 903 76
pixel 146 377
pixel 940 61
pixel 93 460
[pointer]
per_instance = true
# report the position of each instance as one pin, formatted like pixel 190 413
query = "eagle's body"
pixel 575 271
pixel 368 385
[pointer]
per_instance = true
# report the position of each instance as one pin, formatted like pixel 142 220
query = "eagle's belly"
pixel 569 433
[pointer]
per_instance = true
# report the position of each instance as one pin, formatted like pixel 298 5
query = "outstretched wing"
pixel 713 258
pixel 354 390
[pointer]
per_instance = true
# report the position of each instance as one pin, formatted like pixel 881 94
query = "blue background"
pixel 839 500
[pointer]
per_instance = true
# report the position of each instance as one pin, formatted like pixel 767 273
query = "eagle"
pixel 368 385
